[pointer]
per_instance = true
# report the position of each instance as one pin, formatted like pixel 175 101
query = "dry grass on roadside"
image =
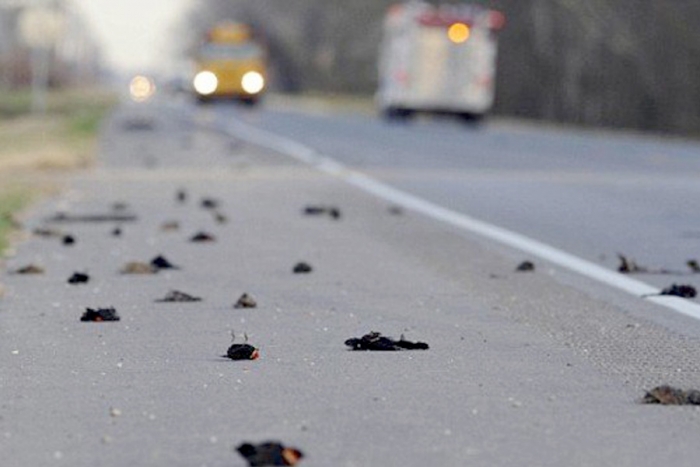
pixel 42 143
pixel 32 147
pixel 13 198
pixel 64 138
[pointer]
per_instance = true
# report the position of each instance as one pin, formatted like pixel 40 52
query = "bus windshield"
pixel 214 51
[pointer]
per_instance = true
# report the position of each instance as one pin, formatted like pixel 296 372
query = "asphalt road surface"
pixel 544 368
pixel 594 195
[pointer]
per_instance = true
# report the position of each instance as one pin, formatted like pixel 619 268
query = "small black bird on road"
pixel 269 453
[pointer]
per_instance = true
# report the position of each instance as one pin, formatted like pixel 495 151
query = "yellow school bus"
pixel 230 63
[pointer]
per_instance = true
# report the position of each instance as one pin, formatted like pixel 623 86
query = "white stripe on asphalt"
pixel 512 239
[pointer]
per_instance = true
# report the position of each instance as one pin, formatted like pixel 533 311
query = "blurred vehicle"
pixel 439 59
pixel 230 63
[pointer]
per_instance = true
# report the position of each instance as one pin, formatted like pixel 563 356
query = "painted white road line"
pixel 308 155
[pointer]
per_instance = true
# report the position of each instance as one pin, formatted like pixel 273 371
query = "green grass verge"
pixel 62 102
pixel 14 104
pixel 12 200
pixel 62 139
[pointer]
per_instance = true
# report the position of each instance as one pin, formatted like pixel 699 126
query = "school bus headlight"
pixel 205 82
pixel 253 82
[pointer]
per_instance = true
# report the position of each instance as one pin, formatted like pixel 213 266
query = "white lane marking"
pixel 507 237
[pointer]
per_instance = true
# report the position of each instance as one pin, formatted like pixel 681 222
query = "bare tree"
pixel 595 62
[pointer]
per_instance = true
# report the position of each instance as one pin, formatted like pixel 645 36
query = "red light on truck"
pixel 395 9
pixel 497 20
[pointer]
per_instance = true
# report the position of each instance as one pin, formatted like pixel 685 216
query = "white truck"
pixel 438 59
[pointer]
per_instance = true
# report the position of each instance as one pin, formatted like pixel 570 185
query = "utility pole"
pixel 41 25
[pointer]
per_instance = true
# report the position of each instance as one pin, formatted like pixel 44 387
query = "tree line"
pixel 631 64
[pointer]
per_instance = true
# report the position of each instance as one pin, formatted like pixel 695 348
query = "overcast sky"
pixel 135 34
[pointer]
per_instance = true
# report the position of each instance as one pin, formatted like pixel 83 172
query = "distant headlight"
pixel 253 82
pixel 205 82
pixel 141 88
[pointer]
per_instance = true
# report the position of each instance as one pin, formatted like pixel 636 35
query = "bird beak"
pixel 291 456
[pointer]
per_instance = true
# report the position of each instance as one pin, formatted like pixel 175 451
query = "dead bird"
pixel 396 210
pixel 63 217
pixel 693 265
pixel 302 268
pixel 29 269
pixel 161 262
pixel 181 195
pixel 246 301
pixel 334 213
pixel 219 217
pixel 100 314
pixel 68 240
pixel 137 267
pixel 209 203
pixel 375 341
pixel 314 210
pixel 667 395
pixel 202 237
pixel 683 291
pixel 47 232
pixel 120 206
pixel 629 266
pixel 169 226
pixel 177 296
pixel 269 453
pixel 318 210
pixel 525 266
pixel 79 278
pixel 242 351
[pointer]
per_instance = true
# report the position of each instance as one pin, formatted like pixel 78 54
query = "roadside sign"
pixel 41 27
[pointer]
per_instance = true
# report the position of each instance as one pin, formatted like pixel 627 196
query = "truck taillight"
pixel 395 9
pixel 497 20
pixel 401 77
